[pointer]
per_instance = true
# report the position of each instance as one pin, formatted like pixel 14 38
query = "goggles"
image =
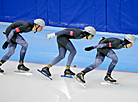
pixel 92 35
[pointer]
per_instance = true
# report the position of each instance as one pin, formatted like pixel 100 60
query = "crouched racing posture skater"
pixel 64 44
pixel 104 48
pixel 13 38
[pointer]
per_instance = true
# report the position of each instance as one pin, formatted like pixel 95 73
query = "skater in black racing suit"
pixel 64 44
pixel 104 48
pixel 13 38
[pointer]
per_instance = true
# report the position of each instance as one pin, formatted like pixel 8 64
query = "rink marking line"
pixel 75 67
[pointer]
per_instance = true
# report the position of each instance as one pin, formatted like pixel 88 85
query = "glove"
pixel 5 45
pixel 4 33
pixel 89 48
pixel 103 38
pixel 50 36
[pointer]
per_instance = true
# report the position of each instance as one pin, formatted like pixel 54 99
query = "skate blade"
pixel 109 83
pixel 66 76
pixel 44 74
pixel 79 81
pixel 23 73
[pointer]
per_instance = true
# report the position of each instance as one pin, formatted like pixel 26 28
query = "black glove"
pixel 103 38
pixel 5 45
pixel 89 48
pixel 4 33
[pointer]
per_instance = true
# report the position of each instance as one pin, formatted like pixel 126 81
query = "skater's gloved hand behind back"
pixel 4 46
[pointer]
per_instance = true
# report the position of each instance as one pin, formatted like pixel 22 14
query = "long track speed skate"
pixel 109 81
pixel 23 70
pixel 79 81
pixel 44 74
pixel 68 73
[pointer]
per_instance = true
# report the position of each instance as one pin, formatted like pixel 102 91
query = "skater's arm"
pixel 97 46
pixel 21 26
pixel 4 46
pixel 108 45
pixel 66 32
pixel 11 34
pixel 94 47
pixel 100 45
pixel 62 32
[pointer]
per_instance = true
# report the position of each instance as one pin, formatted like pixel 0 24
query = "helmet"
pixel 90 30
pixel 39 22
pixel 130 38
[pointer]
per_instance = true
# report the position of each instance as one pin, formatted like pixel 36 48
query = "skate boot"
pixel 1 71
pixel 22 67
pixel 81 77
pixel 46 71
pixel 109 78
pixel 68 72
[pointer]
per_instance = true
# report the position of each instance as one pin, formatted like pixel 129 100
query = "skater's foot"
pixel 81 77
pixel 68 72
pixel 22 67
pixel 1 71
pixel 46 71
pixel 109 78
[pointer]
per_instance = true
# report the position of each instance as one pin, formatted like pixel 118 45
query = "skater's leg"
pixel 64 41
pixel 111 54
pixel 21 41
pixel 64 44
pixel 62 52
pixel 11 47
pixel 72 50
pixel 98 61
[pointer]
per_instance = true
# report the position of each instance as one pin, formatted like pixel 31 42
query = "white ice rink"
pixel 37 88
